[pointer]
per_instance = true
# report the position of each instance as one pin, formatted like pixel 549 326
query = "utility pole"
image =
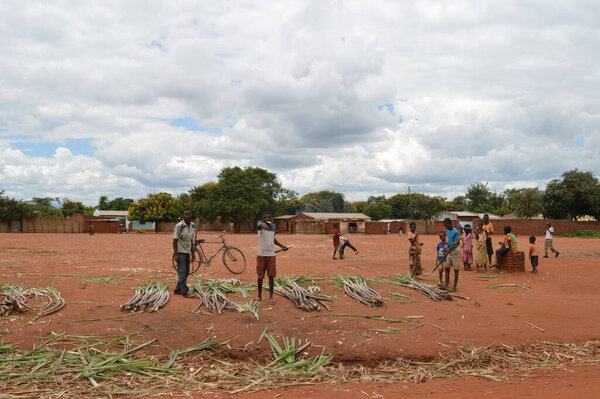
pixel 410 204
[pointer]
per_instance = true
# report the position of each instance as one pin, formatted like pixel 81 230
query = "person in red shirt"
pixel 336 239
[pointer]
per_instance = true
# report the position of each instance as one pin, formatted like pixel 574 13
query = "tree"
pixel 324 201
pixel 43 207
pixel 525 202
pixel 415 206
pixel 575 195
pixel 69 207
pixel 12 209
pixel 378 210
pixel 288 203
pixel 118 204
pixel 243 194
pixel 202 204
pixel 161 207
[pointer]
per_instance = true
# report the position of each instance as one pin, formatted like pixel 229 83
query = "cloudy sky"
pixel 122 98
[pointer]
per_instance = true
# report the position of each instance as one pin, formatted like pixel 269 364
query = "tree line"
pixel 240 195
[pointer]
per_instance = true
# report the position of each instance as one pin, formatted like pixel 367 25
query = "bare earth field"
pixel 561 305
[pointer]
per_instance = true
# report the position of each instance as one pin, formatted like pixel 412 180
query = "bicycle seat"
pixel 200 240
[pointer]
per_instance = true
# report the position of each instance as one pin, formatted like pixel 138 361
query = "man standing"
pixel 265 259
pixel 549 239
pixel 183 245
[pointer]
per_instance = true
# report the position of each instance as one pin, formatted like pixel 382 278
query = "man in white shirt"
pixel 265 259
pixel 183 246
pixel 548 242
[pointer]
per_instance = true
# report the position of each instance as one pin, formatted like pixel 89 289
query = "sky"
pixel 124 98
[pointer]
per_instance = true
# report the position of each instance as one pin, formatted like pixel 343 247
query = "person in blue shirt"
pixel 453 258
pixel 441 250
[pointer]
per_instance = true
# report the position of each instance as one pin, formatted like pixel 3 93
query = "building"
pixel 321 223
pixel 464 218
pixel 128 224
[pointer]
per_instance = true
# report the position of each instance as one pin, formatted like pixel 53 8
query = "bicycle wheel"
pixel 234 260
pixel 195 265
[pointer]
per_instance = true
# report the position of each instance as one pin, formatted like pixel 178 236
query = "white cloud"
pixel 500 93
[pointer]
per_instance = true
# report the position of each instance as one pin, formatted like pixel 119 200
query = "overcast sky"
pixel 123 98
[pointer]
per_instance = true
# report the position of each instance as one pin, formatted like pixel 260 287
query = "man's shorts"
pixel 453 260
pixel 265 264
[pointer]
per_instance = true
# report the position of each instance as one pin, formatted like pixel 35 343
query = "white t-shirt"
pixel 266 239
pixel 550 233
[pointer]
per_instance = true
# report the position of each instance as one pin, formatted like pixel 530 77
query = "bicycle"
pixel 233 259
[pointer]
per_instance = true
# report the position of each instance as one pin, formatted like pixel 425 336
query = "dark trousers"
pixel 346 244
pixel 500 254
pixel 183 270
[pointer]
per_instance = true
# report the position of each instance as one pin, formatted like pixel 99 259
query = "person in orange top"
pixel 488 227
pixel 414 252
pixel 533 254
pixel 509 245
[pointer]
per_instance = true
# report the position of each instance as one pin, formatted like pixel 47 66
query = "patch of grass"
pixel 581 233
pixel 141 231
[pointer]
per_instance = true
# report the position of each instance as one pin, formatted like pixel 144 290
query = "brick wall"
pixel 52 225
pixel 4 227
pixel 537 227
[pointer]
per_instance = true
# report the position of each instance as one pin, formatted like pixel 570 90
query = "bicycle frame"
pixel 203 257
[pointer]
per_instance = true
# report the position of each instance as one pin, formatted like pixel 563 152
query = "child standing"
pixel 467 249
pixel 442 249
pixel 481 259
pixel 414 252
pixel 336 240
pixel 533 254
pixel 453 258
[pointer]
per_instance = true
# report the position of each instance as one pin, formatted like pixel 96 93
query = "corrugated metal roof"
pixel 327 216
pixel 112 213
pixel 283 217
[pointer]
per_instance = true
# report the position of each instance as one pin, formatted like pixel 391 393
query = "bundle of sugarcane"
pixel 303 298
pixel 407 280
pixel 153 296
pixel 14 299
pixel 356 287
pixel 212 294
pixel 54 298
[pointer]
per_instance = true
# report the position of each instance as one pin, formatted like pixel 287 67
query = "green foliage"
pixel 379 210
pixel 12 209
pixel 324 201
pixel 118 204
pixel 69 207
pixel 161 207
pixel 415 206
pixel 581 233
pixel 43 207
pixel 288 203
pixel 576 194
pixel 243 194
pixel 525 202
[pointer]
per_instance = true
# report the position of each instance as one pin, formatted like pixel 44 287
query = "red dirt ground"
pixel 562 300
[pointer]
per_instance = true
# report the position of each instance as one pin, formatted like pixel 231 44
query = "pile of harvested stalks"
pixel 305 299
pixel 153 296
pixel 356 287
pixel 407 280
pixel 213 295
pixel 14 299
pixel 54 298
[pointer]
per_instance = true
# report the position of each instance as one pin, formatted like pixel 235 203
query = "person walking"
pixel 183 246
pixel 549 240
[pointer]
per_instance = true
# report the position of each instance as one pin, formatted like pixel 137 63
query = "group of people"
pixel 454 250
pixel 465 248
